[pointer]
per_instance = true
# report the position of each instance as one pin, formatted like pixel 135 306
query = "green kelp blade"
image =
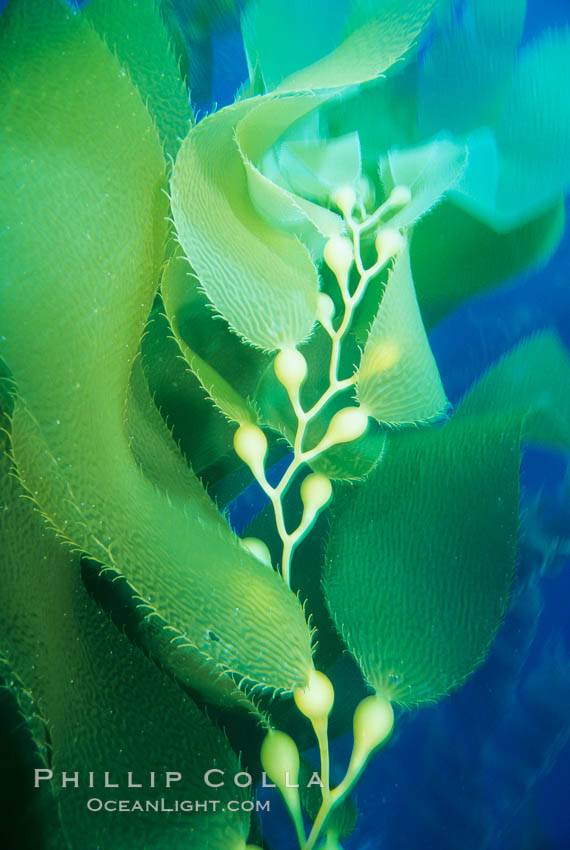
pixel 398 380
pixel 317 168
pixel 281 37
pixel 455 256
pixel 534 132
pixel 394 97
pixel 203 434
pixel 467 69
pixel 260 279
pixel 151 442
pixel 176 293
pixel 428 171
pixel 157 456
pixel 531 384
pixel 257 135
pixel 81 252
pixel 421 556
pixel 301 46
pixel 202 431
pixel 101 704
pixel 480 179
pixel 160 461
pixel 532 139
pixel 135 29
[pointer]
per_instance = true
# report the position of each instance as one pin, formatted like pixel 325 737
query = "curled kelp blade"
pixel 299 46
pixel 421 555
pixel 259 135
pixel 397 380
pixel 429 171
pixel 177 293
pixel 531 134
pixel 136 31
pixel 151 442
pixel 84 245
pixel 202 433
pixel 530 384
pixel 534 132
pixel 261 280
pixel 231 204
pixel 104 706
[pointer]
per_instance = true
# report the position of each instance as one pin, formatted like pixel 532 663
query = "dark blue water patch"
pixel 229 69
pixel 478 332
pixel 245 507
pixel 542 14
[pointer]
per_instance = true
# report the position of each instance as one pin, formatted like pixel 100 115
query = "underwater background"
pixel 489 767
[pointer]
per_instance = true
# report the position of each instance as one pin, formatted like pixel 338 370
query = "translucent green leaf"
pixel 531 139
pixel 379 33
pixel 161 463
pixel 150 440
pixel 83 243
pixel 278 201
pixel 534 131
pixel 394 98
pixel 467 68
pixel 135 30
pixel 104 706
pixel 429 171
pixel 202 432
pixel 281 37
pixel 398 380
pixel 316 169
pixel 476 190
pixel 260 279
pixel 450 239
pixel 421 556
pixel 176 293
pixel 305 47
pixel 530 384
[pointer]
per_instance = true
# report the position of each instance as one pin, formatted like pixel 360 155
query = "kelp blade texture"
pixel 298 48
pixel 136 30
pixel 421 555
pixel 81 255
pixel 177 292
pixel 259 278
pixel 397 380
pixel 95 703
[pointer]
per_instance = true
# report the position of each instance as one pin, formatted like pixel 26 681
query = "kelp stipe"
pixel 285 248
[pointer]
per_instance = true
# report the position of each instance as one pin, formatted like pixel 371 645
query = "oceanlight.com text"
pixel 96 804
